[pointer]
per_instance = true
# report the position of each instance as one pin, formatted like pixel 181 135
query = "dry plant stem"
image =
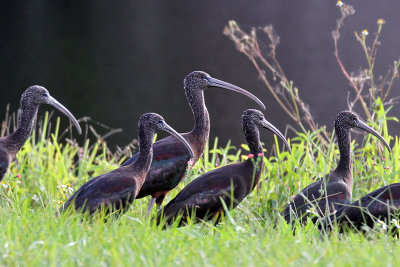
pixel 366 77
pixel 347 10
pixel 248 44
pixel 264 79
pixel 294 114
pixel 395 75
pixel 369 61
pixel 5 123
pixel 370 53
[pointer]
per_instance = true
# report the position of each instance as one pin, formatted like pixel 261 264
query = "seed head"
pixel 381 21
pixel 339 3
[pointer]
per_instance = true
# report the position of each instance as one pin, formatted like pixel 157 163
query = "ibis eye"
pixel 207 81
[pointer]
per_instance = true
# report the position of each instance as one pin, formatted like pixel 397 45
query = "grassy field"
pixel 48 170
pixel 52 165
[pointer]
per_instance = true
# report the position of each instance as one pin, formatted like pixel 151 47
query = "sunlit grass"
pixel 47 172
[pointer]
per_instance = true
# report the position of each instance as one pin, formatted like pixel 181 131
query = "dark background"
pixel 114 60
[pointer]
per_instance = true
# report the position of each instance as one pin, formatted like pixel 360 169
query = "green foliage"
pixel 47 172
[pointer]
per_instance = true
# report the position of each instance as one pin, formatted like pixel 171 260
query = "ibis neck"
pixel 201 117
pixel 25 125
pixel 344 141
pixel 252 136
pixel 143 162
pixel 256 163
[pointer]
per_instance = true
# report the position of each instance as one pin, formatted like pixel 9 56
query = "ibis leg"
pixel 151 204
pixel 160 199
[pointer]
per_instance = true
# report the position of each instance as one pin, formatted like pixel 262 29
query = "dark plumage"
pixel 170 159
pixel 381 204
pixel 31 99
pixel 116 190
pixel 203 195
pixel 336 187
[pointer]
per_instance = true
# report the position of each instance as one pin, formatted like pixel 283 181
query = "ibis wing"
pixel 203 203
pixel 205 193
pixel 377 204
pixel 130 160
pixel 389 195
pixel 110 189
pixel 168 168
pixel 165 148
pixel 77 195
pixel 320 195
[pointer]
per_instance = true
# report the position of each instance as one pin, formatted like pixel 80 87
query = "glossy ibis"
pixel 170 158
pixel 381 204
pixel 115 191
pixel 231 184
pixel 335 189
pixel 31 99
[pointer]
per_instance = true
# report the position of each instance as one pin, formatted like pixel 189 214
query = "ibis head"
pixel 36 95
pixel 256 117
pixel 199 80
pixel 154 122
pixel 346 120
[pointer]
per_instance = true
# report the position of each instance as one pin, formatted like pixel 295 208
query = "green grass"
pixel 47 171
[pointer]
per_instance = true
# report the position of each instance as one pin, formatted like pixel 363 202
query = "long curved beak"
pixel 52 101
pixel 362 125
pixel 174 133
pixel 221 84
pixel 267 125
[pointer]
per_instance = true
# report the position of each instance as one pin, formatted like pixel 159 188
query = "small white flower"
pixel 59 202
pixel 65 188
pixel 383 225
pixel 35 198
pixel 312 211
pixel 396 223
pixel 61 186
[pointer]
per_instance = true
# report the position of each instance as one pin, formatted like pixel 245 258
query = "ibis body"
pixel 204 196
pixel 115 191
pixel 335 189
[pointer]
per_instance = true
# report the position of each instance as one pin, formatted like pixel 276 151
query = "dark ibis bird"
pixel 115 191
pixel 170 159
pixel 335 189
pixel 382 204
pixel 31 99
pixel 203 197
